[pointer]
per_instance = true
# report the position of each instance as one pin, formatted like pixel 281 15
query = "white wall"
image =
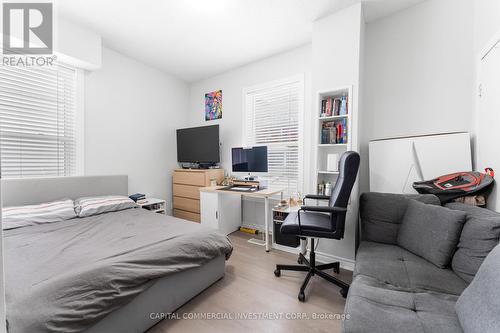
pixel 232 83
pixel 419 73
pixel 336 53
pixel 486 21
pixel 131 113
pixel 77 46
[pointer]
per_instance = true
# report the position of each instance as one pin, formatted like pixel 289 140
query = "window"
pixel 38 121
pixel 273 118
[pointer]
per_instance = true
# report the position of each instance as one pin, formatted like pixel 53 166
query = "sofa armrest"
pixel 381 214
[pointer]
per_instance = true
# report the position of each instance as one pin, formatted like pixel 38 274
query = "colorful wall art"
pixel 213 105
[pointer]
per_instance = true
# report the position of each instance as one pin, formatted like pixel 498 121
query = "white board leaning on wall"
pixel 396 163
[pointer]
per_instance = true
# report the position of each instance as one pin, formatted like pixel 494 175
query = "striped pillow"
pixel 89 206
pixel 22 216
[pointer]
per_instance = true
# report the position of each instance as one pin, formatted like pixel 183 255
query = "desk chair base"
pixel 312 269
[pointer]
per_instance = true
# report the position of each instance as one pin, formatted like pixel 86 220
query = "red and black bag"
pixel 456 185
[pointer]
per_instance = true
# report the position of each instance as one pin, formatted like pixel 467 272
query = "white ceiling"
pixel 196 39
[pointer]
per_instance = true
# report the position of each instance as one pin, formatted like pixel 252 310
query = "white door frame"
pixel 483 53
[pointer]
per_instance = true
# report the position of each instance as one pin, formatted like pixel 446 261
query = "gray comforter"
pixel 66 276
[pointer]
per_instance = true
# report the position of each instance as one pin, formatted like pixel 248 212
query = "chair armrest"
pixel 324 209
pixel 316 197
pixel 335 211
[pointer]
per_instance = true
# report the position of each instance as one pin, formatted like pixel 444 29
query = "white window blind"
pixel 37 121
pixel 273 120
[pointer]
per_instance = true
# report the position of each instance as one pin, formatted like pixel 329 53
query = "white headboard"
pixel 27 191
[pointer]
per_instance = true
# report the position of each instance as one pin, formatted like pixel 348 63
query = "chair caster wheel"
pixel 277 272
pixel 302 296
pixel 344 292
pixel 299 261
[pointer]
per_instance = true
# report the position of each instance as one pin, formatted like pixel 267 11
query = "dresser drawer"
pixel 182 214
pixel 189 178
pixel 190 205
pixel 187 191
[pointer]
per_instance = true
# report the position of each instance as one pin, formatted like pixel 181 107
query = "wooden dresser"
pixel 186 190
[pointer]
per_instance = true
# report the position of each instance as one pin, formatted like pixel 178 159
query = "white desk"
pixel 225 212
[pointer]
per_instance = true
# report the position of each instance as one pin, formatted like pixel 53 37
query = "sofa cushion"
pixel 399 269
pixel 381 214
pixel 479 236
pixel 478 308
pixel 431 232
pixel 378 310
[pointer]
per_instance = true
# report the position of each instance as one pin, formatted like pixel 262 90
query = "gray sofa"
pixel 394 290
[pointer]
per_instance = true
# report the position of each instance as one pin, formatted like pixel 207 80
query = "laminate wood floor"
pixel 249 286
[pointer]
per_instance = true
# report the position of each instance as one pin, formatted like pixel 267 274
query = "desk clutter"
pixel 242 185
pixel 325 188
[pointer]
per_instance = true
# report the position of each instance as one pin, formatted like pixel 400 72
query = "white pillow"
pixel 22 216
pixel 89 206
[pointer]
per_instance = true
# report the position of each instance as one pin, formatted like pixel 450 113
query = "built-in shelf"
pixel 328 172
pixel 323 150
pixel 333 117
pixel 332 145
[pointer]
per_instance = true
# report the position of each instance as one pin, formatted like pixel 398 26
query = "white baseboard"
pixel 326 258
pixel 259 227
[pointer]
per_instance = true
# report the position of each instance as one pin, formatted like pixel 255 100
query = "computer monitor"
pixel 252 159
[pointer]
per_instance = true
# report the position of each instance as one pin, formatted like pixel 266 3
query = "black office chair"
pixel 323 222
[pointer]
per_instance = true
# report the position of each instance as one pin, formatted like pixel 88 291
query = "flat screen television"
pixel 198 145
pixel 249 159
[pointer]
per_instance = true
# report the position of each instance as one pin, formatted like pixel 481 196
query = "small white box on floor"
pixel 332 162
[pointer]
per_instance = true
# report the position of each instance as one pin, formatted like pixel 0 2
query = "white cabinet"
pixel 221 212
pixel 209 209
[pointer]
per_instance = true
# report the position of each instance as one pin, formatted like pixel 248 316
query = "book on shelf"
pixel 334 132
pixel 334 106
pixel 344 106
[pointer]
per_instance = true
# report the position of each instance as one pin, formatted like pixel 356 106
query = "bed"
pixel 113 272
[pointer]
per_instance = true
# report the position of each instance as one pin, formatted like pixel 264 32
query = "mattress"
pixel 67 276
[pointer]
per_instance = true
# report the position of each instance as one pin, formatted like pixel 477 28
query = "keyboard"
pixel 240 188
pixel 243 189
